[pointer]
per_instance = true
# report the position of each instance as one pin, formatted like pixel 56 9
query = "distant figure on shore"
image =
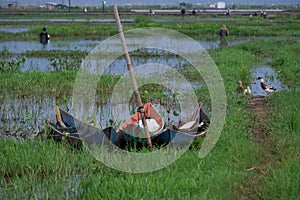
pixel 228 12
pixel 182 11
pixel 264 15
pixel 151 12
pixel 223 31
pixel 194 12
pixel 44 36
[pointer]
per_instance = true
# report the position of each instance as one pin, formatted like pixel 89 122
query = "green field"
pixel 238 167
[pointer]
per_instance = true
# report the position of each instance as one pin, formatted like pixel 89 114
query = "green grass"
pixel 284 177
pixel 58 84
pixel 55 170
pixel 39 83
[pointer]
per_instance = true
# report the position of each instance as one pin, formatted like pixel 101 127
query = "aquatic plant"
pixel 12 65
pixel 65 63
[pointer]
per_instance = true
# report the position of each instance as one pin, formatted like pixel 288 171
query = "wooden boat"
pixel 186 130
pixel 128 134
pixel 180 133
pixel 76 132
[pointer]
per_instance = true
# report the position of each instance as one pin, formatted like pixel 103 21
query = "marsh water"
pixel 23 117
pixel 88 45
pixel 14 29
pixel 44 63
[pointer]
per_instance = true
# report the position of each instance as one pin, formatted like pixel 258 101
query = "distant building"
pixel 52 5
pixel 212 5
pixel 218 5
pixel 221 5
pixel 10 5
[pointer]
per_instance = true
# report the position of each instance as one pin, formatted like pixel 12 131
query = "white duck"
pixel 268 89
pixel 247 91
pixel 241 89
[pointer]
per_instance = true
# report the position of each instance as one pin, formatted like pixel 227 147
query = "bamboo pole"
pixel 132 76
pixel 169 110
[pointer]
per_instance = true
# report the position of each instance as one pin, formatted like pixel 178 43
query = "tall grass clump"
pixel 234 65
pixel 40 169
pixel 37 83
pixel 286 62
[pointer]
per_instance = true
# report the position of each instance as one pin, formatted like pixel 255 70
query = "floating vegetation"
pixel 65 63
pixel 12 65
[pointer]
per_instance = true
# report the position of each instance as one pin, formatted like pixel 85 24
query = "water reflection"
pixel 23 46
pixel 14 29
pixel 64 20
pixel 269 76
pixel 119 66
pixel 22 118
pixel 89 45
pixel 37 64
pixel 223 42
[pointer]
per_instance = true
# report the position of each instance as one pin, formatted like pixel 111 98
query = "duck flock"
pixel 267 88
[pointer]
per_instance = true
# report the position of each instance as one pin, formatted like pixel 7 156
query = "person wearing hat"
pixel 224 31
pixel 44 36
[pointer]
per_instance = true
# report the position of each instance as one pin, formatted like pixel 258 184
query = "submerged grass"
pixel 234 62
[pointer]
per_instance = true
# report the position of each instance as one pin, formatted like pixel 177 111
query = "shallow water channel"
pixel 270 78
pixel 88 45
pixel 44 63
pixel 47 64
pixel 14 29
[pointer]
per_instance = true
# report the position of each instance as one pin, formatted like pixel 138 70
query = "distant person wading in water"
pixel 44 36
pixel 224 31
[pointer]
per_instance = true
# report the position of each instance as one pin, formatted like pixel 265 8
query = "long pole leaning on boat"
pixel 132 76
